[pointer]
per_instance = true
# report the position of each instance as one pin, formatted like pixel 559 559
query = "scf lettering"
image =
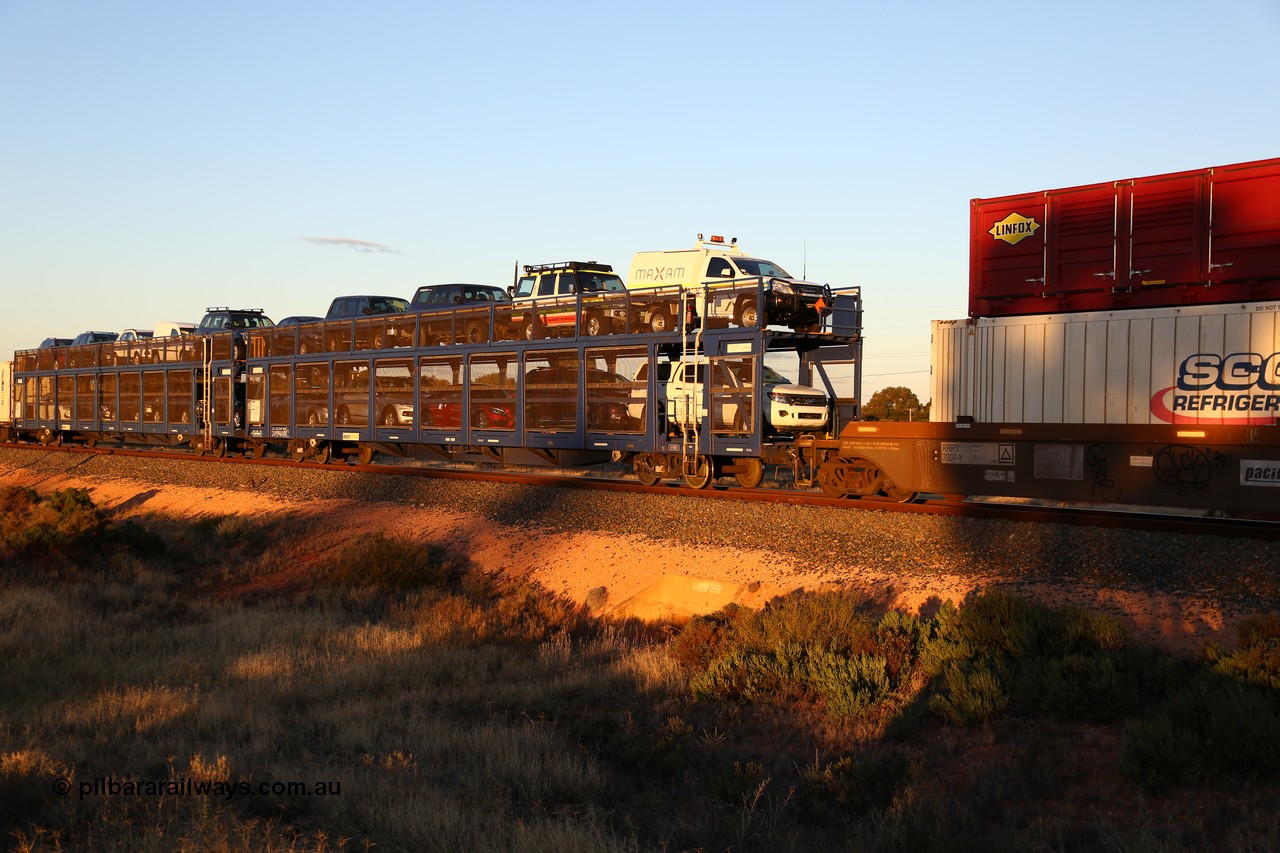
pixel 1239 371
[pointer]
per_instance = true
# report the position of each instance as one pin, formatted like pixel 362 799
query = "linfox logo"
pixel 1239 388
pixel 660 274
pixel 1014 228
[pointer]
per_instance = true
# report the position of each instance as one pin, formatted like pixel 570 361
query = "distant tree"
pixel 895 403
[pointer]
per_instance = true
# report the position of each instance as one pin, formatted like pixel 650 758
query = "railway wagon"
pixel 420 385
pixel 1213 468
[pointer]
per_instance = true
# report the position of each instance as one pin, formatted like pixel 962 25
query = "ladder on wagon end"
pixel 690 425
pixel 206 393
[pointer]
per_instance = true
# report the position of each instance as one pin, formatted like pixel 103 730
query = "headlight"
pixel 797 399
pixel 783 287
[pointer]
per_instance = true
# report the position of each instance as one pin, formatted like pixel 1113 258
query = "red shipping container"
pixel 1186 238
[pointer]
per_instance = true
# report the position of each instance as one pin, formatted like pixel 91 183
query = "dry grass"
pixel 452 711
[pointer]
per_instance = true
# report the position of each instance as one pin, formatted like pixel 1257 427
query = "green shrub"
pixel 1094 686
pixel 1159 752
pixel 974 691
pixel 817 646
pixel 850 685
pixel 1214 723
pixel 1257 660
pixel 63 524
pixel 700 641
pixel 382 562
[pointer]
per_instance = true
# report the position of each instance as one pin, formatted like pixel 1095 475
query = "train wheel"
pixel 297 449
pixel 833 477
pixel 644 467
pixel 753 476
pixel 365 455
pixel 322 453
pixel 902 496
pixel 700 477
pixel 258 449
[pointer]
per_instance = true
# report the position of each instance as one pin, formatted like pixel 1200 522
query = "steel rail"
pixel 1150 519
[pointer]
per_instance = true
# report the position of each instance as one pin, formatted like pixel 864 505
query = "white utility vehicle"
pixel 727 405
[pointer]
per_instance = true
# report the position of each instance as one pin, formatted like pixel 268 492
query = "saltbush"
pixel 63 524
pixel 1222 719
pixel 386 563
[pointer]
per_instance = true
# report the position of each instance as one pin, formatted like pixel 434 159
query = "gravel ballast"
pixel 1232 575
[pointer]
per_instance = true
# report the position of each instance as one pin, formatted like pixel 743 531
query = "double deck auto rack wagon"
pixel 472 382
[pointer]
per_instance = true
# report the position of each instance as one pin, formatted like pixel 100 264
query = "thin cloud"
pixel 352 244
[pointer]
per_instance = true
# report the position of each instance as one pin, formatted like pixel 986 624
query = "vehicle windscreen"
pixel 388 306
pixel 773 377
pixel 756 266
pixel 594 282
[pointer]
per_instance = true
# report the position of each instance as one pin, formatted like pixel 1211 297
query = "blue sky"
pixel 159 157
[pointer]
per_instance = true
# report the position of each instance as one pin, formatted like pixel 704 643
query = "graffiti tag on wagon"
pixel 1182 467
pixel 1234 389
pixel 1104 487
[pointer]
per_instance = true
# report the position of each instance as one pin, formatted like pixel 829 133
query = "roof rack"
pixel 593 266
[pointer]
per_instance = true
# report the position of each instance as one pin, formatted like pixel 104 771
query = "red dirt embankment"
pixel 645 577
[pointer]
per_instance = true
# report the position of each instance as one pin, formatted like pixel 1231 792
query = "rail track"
pixel 1140 518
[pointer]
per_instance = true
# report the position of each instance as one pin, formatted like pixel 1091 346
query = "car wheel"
pixel 481 420
pixel 748 315
pixel 595 325
pixel 344 417
pixel 477 333
pixel 660 321
pixel 389 417
pixel 531 331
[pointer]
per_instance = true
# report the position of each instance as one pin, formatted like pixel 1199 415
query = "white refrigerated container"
pixel 1210 364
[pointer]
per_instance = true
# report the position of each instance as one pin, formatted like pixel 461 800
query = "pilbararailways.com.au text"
pixel 186 787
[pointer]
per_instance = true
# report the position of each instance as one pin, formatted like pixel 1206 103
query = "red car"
pixel 491 408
